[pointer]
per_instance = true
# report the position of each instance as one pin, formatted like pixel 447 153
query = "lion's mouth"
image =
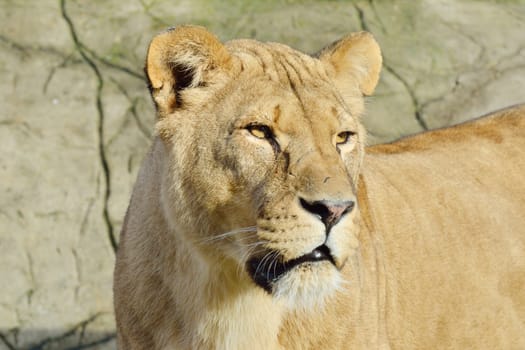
pixel 266 271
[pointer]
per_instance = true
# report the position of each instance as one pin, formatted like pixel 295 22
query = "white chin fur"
pixel 308 286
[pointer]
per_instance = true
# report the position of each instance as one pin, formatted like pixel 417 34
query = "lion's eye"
pixel 260 131
pixel 344 137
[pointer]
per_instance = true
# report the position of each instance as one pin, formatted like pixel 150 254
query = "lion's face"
pixel 264 147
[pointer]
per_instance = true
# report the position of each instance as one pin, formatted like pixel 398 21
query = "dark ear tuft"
pixel 180 59
pixel 184 76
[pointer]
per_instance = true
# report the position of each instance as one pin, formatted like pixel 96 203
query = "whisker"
pixel 252 247
pixel 244 258
pixel 252 244
pixel 263 261
pixel 244 240
pixel 272 262
pixel 275 266
pixel 248 229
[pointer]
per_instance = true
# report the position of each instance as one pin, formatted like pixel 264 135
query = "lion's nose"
pixel 329 212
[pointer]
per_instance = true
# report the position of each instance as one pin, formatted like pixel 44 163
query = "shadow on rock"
pixel 72 339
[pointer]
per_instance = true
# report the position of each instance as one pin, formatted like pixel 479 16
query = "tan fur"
pixel 432 256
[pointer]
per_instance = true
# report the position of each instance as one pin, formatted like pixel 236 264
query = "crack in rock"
pixel 110 64
pixel 3 339
pixel 24 49
pixel 32 279
pixel 415 102
pixel 100 109
pixel 133 109
pixel 68 60
pixel 51 342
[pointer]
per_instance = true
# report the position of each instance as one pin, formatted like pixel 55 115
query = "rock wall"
pixel 76 120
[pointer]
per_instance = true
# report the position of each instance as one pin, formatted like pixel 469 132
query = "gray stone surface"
pixel 76 120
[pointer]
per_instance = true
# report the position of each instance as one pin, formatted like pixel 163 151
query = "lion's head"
pixel 263 145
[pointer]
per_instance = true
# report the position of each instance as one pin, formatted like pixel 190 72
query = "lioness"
pixel 255 225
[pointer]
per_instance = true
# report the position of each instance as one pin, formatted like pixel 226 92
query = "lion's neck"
pixel 221 309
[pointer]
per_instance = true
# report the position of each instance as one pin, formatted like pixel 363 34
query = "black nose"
pixel 329 212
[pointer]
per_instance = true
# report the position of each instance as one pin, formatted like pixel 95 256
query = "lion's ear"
pixel 182 58
pixel 355 59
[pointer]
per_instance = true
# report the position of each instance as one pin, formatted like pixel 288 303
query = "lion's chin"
pixel 308 285
pixel 303 282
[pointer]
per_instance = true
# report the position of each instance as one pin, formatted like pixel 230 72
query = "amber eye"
pixel 344 137
pixel 260 131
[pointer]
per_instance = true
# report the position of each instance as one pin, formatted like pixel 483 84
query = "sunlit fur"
pixel 430 257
